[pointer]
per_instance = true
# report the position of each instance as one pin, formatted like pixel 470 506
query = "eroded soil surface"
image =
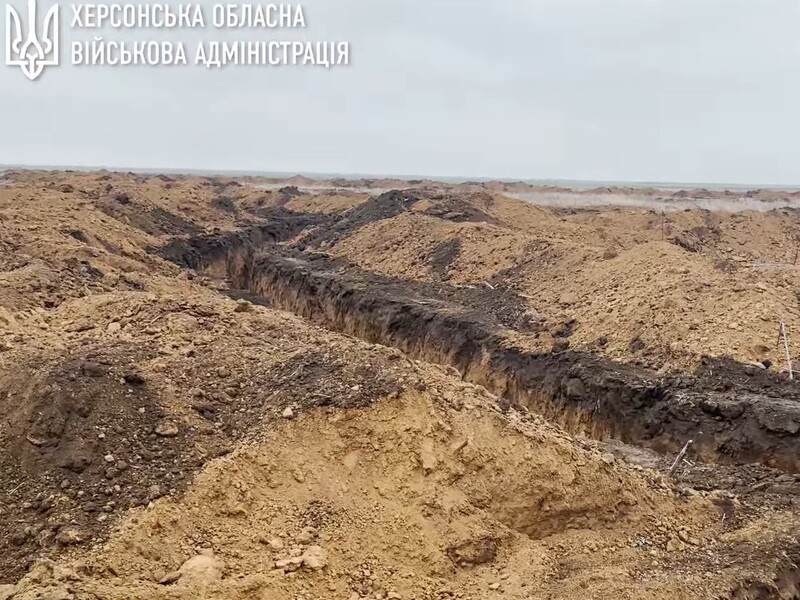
pixel 216 389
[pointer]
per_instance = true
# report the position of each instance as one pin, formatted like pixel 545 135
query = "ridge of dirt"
pixel 661 290
pixel 129 408
pixel 580 392
pixel 161 440
pixel 487 505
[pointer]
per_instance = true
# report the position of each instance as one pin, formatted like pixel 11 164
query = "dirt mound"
pixel 132 394
pixel 456 207
pixel 587 395
pixel 379 208
pixel 163 440
pixel 410 246
pixel 152 220
pixel 485 506
pixel 662 290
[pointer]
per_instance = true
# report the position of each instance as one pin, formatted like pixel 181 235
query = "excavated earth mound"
pixel 172 430
pixel 755 417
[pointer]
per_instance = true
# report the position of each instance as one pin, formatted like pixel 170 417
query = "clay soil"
pixel 169 434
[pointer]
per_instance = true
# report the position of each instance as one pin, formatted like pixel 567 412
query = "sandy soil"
pixel 661 290
pixel 163 440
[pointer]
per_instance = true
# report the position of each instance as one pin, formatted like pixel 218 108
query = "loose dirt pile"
pixel 163 440
pixel 732 413
pixel 413 498
pixel 661 290
pixel 418 497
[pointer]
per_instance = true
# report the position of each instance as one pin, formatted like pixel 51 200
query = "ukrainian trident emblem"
pixel 33 52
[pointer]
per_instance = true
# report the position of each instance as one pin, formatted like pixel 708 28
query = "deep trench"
pixel 581 392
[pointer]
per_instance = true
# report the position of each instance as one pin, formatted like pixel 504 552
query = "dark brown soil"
pixel 722 375
pixel 99 419
pixel 385 206
pixel 150 219
pixel 79 443
pixel 443 257
pixel 584 393
pixel 89 434
pixel 459 208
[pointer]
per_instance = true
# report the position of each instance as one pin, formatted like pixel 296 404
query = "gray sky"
pixel 644 90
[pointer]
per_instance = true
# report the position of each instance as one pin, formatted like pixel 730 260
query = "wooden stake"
pixel 680 456
pixel 786 349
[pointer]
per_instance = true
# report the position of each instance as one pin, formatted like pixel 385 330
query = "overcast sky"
pixel 636 90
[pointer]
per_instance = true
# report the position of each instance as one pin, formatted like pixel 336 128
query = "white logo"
pixel 31 53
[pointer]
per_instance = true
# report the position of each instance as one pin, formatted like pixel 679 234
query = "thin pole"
pixel 786 348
